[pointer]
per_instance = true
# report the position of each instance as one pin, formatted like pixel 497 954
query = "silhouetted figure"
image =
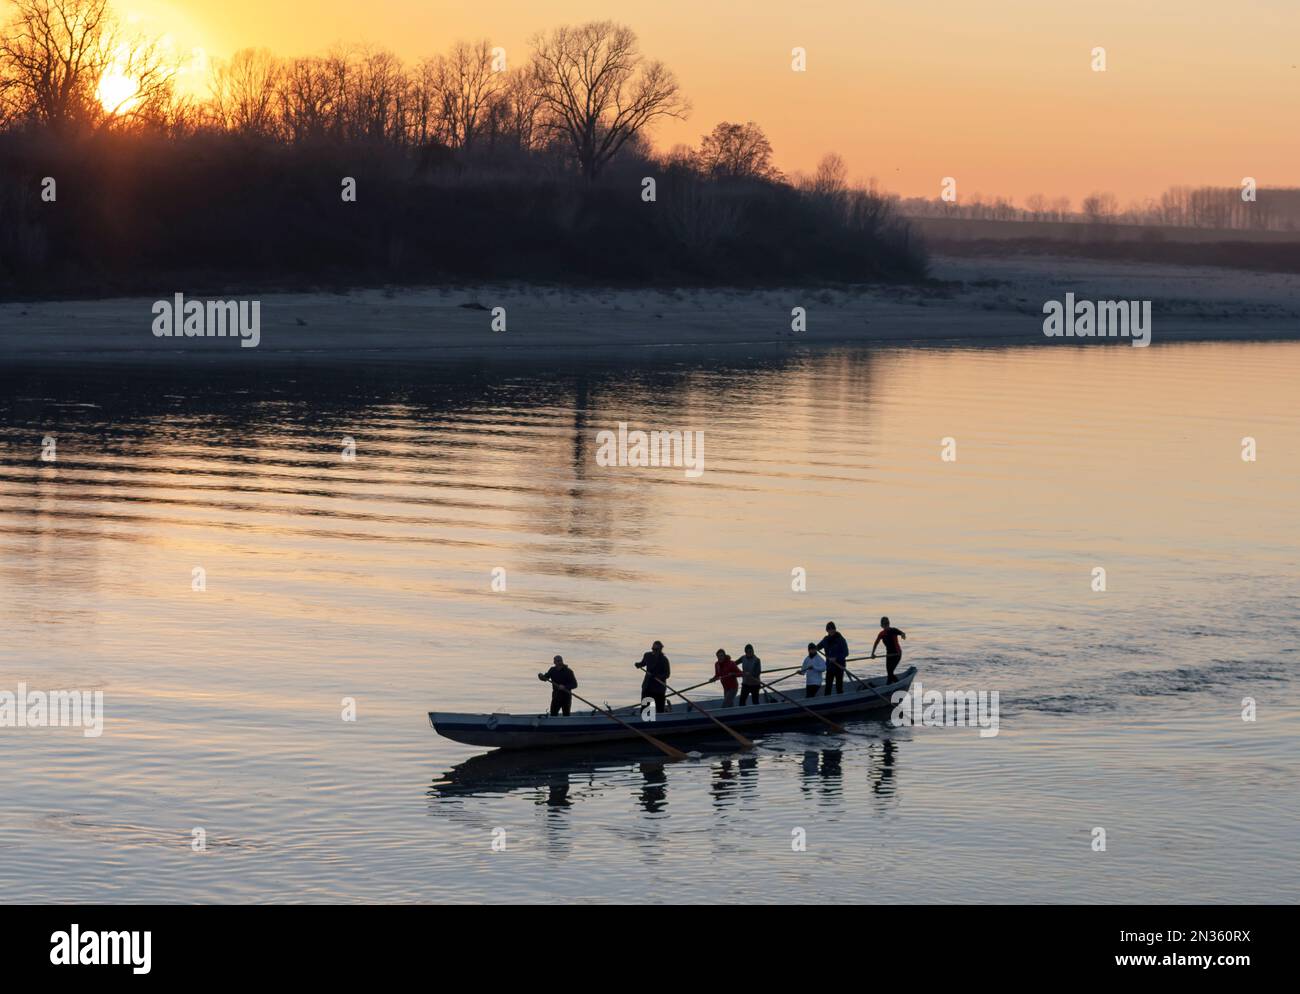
pixel 751 668
pixel 893 650
pixel 815 668
pixel 562 680
pixel 657 672
pixel 837 651
pixel 726 670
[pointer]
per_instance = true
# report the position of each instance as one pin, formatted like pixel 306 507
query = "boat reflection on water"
pixel 882 778
pixel 560 778
pixel 823 771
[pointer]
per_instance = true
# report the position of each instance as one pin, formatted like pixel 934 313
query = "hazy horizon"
pixel 1187 98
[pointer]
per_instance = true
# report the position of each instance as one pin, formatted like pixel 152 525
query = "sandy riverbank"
pixel 993 300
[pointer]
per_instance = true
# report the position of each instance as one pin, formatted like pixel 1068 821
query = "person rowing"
pixel 893 650
pixel 726 670
pixel 751 682
pixel 837 651
pixel 814 666
pixel 657 672
pixel 563 682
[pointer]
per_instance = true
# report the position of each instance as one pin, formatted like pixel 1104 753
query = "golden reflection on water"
pixel 1066 459
pixel 372 580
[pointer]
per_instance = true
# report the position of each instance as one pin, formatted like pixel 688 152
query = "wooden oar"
pixel 744 742
pixel 858 679
pixel 713 679
pixel 864 683
pixel 819 717
pixel 697 686
pixel 828 666
pixel 664 747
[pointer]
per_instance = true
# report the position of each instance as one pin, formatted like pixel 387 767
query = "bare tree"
pixel 1100 206
pixel 376 97
pixel 737 151
pixel 517 107
pixel 53 54
pixel 138 86
pixel 56 56
pixel 465 83
pixel 598 90
pixel 306 99
pixel 244 92
pixel 831 177
pixel 337 73
pixel 422 102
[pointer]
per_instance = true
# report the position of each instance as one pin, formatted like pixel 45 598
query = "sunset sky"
pixel 999 94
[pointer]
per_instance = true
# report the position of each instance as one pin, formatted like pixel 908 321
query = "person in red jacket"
pixel 726 670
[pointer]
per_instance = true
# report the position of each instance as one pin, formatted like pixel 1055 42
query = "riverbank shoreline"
pixel 992 301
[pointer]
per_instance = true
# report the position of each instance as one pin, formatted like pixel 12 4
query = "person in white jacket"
pixel 815 668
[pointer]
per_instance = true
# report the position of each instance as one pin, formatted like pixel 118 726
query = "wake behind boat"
pixel 512 731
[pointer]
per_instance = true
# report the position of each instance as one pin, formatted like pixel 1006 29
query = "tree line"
pixel 468 166
pixel 1273 209
pixel 584 93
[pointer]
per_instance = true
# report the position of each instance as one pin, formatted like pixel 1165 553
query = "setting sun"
pixel 117 93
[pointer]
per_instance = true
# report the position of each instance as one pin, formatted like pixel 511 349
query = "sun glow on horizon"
pixel 117 92
pixel 177 33
pixel 907 93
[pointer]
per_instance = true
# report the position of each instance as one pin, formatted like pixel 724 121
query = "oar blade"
pixel 676 755
pixel 816 714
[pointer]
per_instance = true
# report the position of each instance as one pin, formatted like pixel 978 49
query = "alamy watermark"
pixel 25 708
pixel 102 948
pixel 954 709
pixel 1098 319
pixel 181 318
pixel 682 449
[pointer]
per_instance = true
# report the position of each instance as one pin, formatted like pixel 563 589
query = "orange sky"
pixel 998 94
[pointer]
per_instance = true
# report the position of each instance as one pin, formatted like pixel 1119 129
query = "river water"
pixel 474 535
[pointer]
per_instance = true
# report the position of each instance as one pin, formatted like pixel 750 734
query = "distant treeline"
pixel 1267 257
pixel 1272 209
pixel 464 168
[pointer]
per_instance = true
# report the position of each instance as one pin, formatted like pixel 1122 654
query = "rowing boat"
pixel 517 731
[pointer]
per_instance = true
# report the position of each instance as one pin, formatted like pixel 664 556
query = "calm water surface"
pixel 372 580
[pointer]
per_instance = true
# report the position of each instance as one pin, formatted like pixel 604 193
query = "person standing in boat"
pixel 893 650
pixel 814 666
pixel 726 670
pixel 657 672
pixel 751 680
pixel 562 680
pixel 837 651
